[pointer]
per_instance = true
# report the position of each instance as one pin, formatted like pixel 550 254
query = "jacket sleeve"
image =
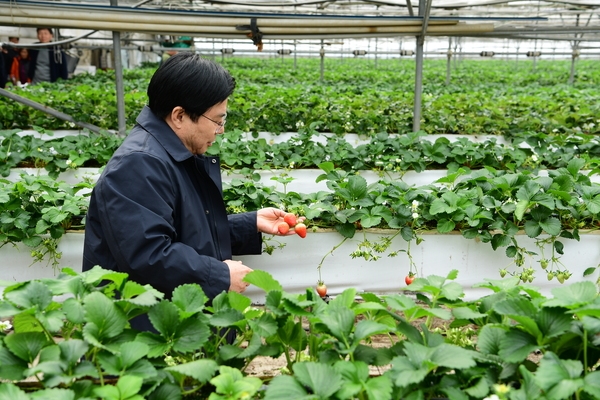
pixel 136 201
pixel 14 71
pixel 245 238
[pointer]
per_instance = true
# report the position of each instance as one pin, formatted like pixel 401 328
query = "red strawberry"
pixel 283 228
pixel 301 230
pixel 290 219
pixel 408 279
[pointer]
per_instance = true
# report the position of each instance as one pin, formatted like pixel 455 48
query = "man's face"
pixel 13 39
pixel 44 36
pixel 199 136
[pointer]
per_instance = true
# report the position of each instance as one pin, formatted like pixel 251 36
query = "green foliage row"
pixel 84 347
pixel 489 205
pixel 307 149
pixel 484 97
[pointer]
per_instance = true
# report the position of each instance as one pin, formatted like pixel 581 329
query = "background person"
pixel 10 52
pixel 19 71
pixel 47 64
pixel 157 211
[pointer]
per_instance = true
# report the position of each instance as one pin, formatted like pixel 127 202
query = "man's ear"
pixel 175 119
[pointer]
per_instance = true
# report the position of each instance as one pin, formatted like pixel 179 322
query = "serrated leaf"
pixel 490 338
pixel 164 316
pixel 285 387
pixel 200 370
pixel 26 345
pixel 189 298
pixel 322 379
pixel 451 356
pixel 263 280
pixel 574 295
pixel 33 294
pixel 522 206
pixel 9 391
pixel 104 314
pixel 516 346
pixel 225 318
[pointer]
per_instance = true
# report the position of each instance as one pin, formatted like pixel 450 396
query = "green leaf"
pixel 263 280
pixel 339 321
pixel 379 387
pixel 11 366
pixel 72 350
pixel 522 206
pixel 200 370
pixel 129 386
pixel 405 373
pixel 553 322
pixel 366 328
pixel 285 387
pixel 551 226
pixel 102 312
pixel 233 385
pixel 132 352
pixel 559 378
pixel 445 225
pixel 354 374
pixel 532 229
pixel 54 394
pixel 516 346
pixel 189 298
pixel 225 318
pixel 479 390
pixel 466 313
pixel 592 383
pixel 452 356
pixel 322 379
pixel 574 295
pixel 490 338
pixel 26 345
pixel 191 335
pixel 165 318
pixel 9 391
pixel 32 294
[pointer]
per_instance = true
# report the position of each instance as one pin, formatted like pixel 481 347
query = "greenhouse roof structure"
pixel 574 20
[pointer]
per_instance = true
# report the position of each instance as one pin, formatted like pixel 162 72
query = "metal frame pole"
pixel 119 78
pixel 423 12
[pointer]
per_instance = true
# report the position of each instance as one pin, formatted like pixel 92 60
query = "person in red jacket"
pixel 19 71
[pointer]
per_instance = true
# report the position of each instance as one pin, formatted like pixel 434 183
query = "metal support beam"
pixel 119 78
pixel 51 111
pixel 424 10
pixel 322 53
pixel 449 61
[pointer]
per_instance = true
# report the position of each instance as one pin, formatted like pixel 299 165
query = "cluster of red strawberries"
pixel 291 221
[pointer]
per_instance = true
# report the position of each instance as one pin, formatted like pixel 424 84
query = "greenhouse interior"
pixel 300 199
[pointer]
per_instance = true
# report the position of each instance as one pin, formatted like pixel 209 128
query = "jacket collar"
pixel 163 133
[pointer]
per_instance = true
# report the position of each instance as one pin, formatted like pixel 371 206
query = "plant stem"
pixel 328 253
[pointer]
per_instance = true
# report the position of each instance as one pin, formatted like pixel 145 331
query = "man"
pixel 157 211
pixel 48 64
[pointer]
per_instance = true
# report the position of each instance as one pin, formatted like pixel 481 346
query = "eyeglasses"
pixel 220 124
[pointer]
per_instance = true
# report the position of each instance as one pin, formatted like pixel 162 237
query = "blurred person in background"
pixel 19 71
pixel 47 64
pixel 10 52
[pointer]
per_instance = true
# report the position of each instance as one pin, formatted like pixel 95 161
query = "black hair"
pixel 190 81
pixel 48 29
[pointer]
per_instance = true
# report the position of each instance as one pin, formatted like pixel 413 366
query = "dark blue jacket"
pixel 57 70
pixel 157 213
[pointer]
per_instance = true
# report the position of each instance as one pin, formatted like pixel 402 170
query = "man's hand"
pixel 237 272
pixel 267 220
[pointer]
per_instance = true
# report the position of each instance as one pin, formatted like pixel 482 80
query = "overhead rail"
pixel 226 24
